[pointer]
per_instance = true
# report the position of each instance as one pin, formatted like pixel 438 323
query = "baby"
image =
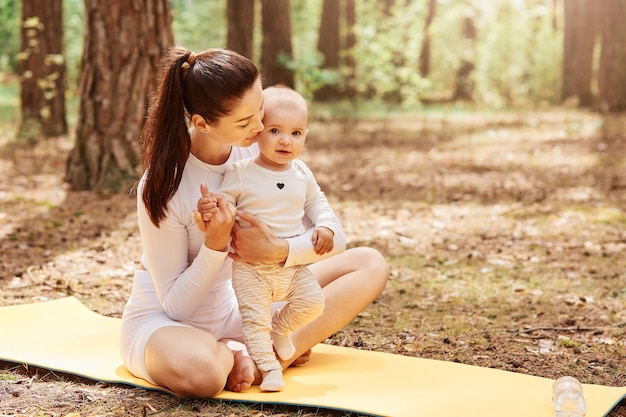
pixel 280 190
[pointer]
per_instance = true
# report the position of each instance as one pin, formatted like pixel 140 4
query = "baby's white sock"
pixel 273 381
pixel 283 345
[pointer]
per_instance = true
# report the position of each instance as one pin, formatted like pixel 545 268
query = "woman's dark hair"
pixel 209 84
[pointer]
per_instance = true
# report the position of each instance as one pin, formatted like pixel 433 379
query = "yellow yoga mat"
pixel 64 335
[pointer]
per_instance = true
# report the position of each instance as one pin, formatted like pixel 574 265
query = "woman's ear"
pixel 199 123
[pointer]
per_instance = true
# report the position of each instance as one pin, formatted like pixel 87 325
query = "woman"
pixel 181 328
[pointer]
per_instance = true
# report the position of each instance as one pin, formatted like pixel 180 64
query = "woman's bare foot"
pixel 306 356
pixel 243 374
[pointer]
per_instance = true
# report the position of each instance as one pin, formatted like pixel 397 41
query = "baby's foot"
pixel 273 381
pixel 283 345
pixel 241 376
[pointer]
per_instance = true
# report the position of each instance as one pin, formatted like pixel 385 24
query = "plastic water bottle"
pixel 567 398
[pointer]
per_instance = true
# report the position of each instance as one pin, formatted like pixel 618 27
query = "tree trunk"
pixel 464 84
pixel 424 58
pixel 555 15
pixel 578 43
pixel 386 7
pixel 276 45
pixel 611 74
pixel 348 50
pixel 124 45
pixel 42 70
pixel 240 16
pixel 328 45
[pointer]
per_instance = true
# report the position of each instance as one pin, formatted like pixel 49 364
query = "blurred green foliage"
pixel 8 105
pixel 9 34
pixel 73 42
pixel 517 52
pixel 198 24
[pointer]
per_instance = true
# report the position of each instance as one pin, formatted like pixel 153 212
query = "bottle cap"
pixel 567 383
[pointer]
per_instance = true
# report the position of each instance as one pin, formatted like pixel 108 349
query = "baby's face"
pixel 283 135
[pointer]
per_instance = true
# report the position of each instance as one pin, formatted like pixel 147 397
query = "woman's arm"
pixel 182 266
pixel 257 244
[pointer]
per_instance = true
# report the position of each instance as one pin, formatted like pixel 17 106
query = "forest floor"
pixel 505 233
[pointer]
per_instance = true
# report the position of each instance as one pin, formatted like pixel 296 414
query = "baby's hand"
pixel 323 240
pixel 207 204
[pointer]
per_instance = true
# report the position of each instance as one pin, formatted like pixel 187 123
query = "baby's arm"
pixel 323 240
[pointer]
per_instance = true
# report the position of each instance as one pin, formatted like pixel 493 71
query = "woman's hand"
pixel 255 242
pixel 217 229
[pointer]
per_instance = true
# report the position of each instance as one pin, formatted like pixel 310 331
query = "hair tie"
pixel 190 60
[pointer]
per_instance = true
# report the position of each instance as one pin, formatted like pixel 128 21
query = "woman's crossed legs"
pixel 192 363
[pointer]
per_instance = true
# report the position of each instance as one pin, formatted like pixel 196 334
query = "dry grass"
pixel 505 232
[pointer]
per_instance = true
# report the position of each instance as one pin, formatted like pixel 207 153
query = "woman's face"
pixel 241 126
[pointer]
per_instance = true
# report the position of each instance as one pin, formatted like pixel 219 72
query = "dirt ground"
pixel 505 232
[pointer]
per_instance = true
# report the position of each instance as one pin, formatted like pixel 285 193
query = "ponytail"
pixel 165 137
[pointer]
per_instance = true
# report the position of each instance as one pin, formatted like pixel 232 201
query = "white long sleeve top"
pixel 188 278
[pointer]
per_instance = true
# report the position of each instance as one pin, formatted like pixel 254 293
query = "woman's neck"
pixel 207 150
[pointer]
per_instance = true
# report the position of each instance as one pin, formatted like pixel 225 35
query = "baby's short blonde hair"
pixel 285 97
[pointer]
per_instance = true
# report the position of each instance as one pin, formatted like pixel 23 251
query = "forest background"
pixel 478 144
